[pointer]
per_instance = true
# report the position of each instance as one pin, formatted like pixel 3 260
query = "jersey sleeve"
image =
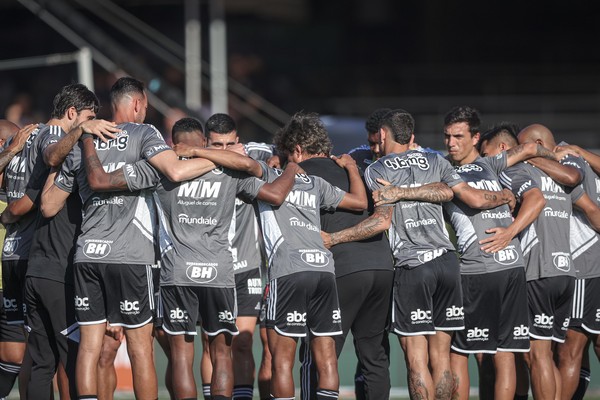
pixel 153 142
pixel 577 192
pixel 448 175
pixel 498 163
pixel 518 181
pixel 259 151
pixel 248 186
pixel 66 176
pixel 330 196
pixel 575 162
pixel 140 175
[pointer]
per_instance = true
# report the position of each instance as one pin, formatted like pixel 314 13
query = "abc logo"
pixel 10 304
pixel 454 312
pixel 226 316
pixel 204 274
pixel 296 317
pixel 128 306
pixel 178 314
pixel 544 319
pixel 96 250
pixel 521 330
pixel 337 315
pixel 315 258
pixel 506 256
pixel 420 315
pixel 82 302
pixel 478 333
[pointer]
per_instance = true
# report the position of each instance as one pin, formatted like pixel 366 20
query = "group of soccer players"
pixel 111 234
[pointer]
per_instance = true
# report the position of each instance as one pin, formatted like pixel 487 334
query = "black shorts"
pixel 13 285
pixel 9 333
pixel 496 317
pixel 428 298
pixel 301 301
pixel 585 313
pixel 248 288
pixel 550 301
pixel 157 311
pixel 262 316
pixel 185 306
pixel 121 294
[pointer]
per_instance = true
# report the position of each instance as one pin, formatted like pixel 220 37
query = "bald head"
pixel 537 133
pixel 7 130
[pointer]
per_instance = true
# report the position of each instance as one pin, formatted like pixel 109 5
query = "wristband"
pixel 86 135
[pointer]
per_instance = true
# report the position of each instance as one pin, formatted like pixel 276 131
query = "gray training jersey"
pixel 291 231
pixel 545 242
pixel 117 227
pixel 418 233
pixel 23 169
pixel 247 242
pixel 199 216
pixel 471 224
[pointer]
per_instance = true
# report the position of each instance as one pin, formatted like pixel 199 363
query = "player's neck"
pixel 470 158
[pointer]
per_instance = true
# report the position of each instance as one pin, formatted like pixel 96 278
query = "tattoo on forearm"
pixel 432 193
pixel 545 153
pixel 365 229
pixel 513 151
pixel 416 386
pixel 117 179
pixel 490 197
pixel 92 162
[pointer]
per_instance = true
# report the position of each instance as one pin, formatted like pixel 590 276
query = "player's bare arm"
pixel 483 199
pixel 562 174
pixel 16 145
pixel 592 158
pixel 16 209
pixel 276 192
pixel 356 198
pixel 378 222
pixel 56 153
pixel 436 192
pixel 532 204
pixel 226 158
pixel 590 209
pixel 53 198
pixel 526 151
pixel 98 179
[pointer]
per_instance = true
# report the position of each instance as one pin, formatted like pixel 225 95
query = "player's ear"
pixel 412 140
pixel 71 113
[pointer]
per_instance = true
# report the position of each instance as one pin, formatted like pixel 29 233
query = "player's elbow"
pixel 572 178
pixel 47 210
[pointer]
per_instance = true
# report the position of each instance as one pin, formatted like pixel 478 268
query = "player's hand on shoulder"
pixel 22 135
pixel 100 128
pixel 563 151
pixel 345 161
pixel 238 148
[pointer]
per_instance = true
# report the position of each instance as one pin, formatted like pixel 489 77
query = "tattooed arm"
pixel 562 174
pixel 592 158
pixel 16 145
pixel 98 179
pixel 378 222
pixel 526 151
pixel 436 192
pixel 483 199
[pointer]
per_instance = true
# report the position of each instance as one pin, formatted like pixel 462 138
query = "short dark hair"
pixel 186 125
pixel 505 130
pixel 74 95
pixel 464 114
pixel 401 125
pixel 220 123
pixel 373 122
pixel 125 86
pixel 305 130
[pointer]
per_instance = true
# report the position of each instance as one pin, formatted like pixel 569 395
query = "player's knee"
pixel 242 344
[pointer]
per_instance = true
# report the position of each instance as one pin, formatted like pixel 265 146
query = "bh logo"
pixel 561 261
pixel 506 256
pixel 203 274
pixel 10 246
pixel 315 258
pixel 430 255
pixel 96 250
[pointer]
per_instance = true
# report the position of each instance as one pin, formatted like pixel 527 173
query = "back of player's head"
pixel 504 131
pixel 186 125
pixel 125 86
pixel 7 130
pixel 305 130
pixel 74 95
pixel 220 123
pixel 373 122
pixel 464 114
pixel 400 124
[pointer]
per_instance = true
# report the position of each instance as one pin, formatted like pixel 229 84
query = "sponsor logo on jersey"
pixel 455 313
pixel 294 221
pixel 82 303
pixel 130 171
pixel 218 170
pixel 10 304
pixel 186 219
pixel 296 319
pixel 410 160
pixel 240 265
pixel 111 201
pixel 507 256
pixel 487 214
pixel 302 199
pixel 411 223
pixel 420 316
pixel 314 257
pixel 201 273
pixel 521 332
pixel 484 184
pixel 254 286
pixel 239 202
pixel 523 188
pixel 549 212
pixel 120 142
pixel 303 177
pixel 543 320
pixel 96 249
pixel 427 256
pixel 113 166
pixel 478 334
pixel 199 189
pixel 17 165
pixel 178 315
pixel 336 316
pixel 14 194
pixel 468 168
pixel 128 307
pixel 11 245
pixel 156 149
pixel 226 316
pixel 565 324
pixel 562 261
pixel 548 185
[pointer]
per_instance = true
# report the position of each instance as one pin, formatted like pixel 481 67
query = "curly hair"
pixel 305 130
pixel 74 95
